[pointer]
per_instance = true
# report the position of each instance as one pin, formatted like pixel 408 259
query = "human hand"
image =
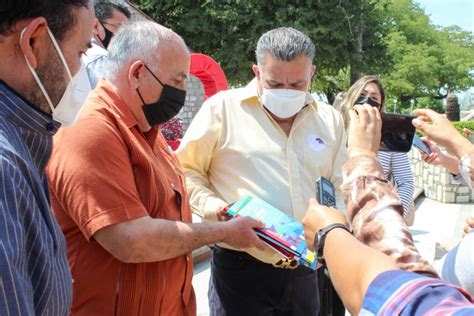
pixel 436 157
pixel 220 207
pixel 466 132
pixel 318 216
pixel 469 226
pixel 441 131
pixel 365 130
pixel 241 234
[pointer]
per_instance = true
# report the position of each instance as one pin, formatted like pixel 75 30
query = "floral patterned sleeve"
pixel 466 166
pixel 375 211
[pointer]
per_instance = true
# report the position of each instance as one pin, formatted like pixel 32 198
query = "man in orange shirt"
pixel 118 192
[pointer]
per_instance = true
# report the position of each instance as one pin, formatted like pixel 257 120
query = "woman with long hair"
pixel 369 89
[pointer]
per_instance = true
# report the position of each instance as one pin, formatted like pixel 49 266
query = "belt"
pixel 283 263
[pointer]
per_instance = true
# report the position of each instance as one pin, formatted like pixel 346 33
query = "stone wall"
pixel 194 99
pixel 436 182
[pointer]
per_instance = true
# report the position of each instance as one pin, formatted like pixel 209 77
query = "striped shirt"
pixel 35 277
pixel 395 165
pixel 399 292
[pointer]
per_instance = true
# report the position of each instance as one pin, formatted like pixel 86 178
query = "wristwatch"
pixel 320 237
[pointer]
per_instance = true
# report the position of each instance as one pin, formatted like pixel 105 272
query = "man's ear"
pixel 135 73
pixel 313 70
pixel 32 38
pixel 256 71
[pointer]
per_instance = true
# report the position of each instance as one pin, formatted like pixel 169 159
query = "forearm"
pixel 352 280
pixel 451 163
pixel 376 214
pixel 459 146
pixel 151 239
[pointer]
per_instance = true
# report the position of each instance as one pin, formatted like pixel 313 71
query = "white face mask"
pixel 283 103
pixel 68 108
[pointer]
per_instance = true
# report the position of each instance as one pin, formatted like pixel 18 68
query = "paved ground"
pixel 437 228
pixel 201 276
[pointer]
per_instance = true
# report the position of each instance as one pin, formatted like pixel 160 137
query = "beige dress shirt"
pixel 233 147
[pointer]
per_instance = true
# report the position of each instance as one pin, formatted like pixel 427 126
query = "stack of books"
pixel 282 233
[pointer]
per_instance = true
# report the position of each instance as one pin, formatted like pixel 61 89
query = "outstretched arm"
pixel 443 133
pixel 352 269
pixel 438 158
pixel 371 201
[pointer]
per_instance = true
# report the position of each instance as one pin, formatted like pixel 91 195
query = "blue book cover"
pixel 282 232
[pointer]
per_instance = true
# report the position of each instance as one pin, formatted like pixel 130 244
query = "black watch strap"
pixel 320 238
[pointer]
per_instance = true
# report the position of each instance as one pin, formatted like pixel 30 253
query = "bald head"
pixel 142 40
pixel 144 58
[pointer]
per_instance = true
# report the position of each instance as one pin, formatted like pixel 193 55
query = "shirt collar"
pixel 112 98
pixel 250 93
pixel 25 114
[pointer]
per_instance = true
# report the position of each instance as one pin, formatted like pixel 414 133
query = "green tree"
pixel 392 38
pixel 427 61
pixel 228 31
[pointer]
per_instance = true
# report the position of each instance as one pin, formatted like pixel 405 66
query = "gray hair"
pixel 284 43
pixel 138 40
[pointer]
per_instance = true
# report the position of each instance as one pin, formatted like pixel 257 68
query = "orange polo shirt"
pixel 104 171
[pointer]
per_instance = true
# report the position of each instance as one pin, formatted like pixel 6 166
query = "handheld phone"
pixel 397 132
pixel 420 145
pixel 325 193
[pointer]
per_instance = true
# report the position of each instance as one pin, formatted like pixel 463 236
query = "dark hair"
pixel 284 43
pixel 58 13
pixel 105 9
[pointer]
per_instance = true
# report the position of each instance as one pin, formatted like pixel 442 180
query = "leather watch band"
pixel 320 239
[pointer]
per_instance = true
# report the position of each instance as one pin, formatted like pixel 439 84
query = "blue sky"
pixel 450 12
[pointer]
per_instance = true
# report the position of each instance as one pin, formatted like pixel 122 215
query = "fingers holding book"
pixel 241 233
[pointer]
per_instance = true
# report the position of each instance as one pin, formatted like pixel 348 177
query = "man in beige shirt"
pixel 271 140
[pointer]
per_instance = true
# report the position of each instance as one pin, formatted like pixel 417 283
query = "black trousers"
pixel 247 286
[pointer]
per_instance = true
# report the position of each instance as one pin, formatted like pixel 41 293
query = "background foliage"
pixel 418 62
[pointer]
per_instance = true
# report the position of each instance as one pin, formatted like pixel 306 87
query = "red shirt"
pixel 106 171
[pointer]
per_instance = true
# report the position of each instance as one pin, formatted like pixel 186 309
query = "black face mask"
pixel 363 99
pixel 107 38
pixel 168 105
